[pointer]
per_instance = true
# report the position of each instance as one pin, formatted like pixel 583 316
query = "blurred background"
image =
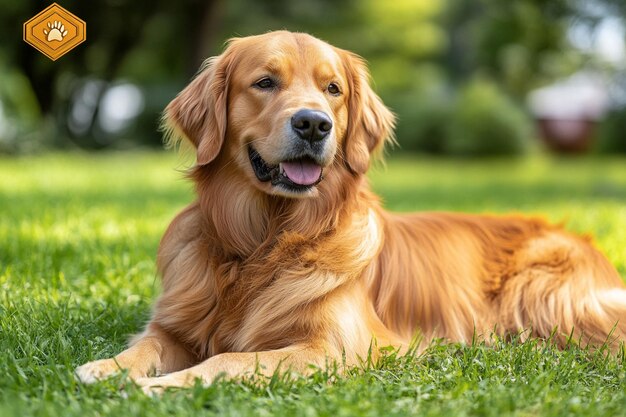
pixel 465 77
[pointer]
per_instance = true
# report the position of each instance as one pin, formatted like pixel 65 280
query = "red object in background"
pixel 567 112
pixel 569 136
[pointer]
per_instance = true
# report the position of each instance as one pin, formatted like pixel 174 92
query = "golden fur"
pixel 255 276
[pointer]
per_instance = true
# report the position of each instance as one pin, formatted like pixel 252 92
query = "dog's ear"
pixel 199 112
pixel 370 123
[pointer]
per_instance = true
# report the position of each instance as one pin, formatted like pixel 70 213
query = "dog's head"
pixel 285 108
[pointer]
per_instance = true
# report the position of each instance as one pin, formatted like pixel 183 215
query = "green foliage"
pixel 612 133
pixel 159 45
pixel 19 112
pixel 479 121
pixel 422 103
pixel 486 122
pixel 423 121
pixel 78 238
pixel 518 40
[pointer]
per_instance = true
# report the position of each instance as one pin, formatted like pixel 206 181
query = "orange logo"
pixel 55 31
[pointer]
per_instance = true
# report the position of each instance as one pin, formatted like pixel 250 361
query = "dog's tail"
pixel 586 306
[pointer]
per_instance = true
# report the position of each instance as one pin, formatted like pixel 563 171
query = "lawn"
pixel 78 236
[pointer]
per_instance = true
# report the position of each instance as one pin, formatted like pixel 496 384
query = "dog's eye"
pixel 333 89
pixel 265 83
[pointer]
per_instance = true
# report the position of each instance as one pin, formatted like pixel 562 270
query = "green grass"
pixel 78 236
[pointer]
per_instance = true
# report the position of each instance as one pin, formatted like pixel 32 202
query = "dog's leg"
pixel 298 359
pixel 152 351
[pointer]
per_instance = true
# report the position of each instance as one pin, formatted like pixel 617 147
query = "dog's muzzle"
pixel 298 174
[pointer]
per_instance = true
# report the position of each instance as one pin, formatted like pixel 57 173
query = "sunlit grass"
pixel 78 237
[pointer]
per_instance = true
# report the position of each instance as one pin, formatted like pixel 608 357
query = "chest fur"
pixel 276 298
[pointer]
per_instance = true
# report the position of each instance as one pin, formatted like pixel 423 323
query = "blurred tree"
pixel 520 43
pixel 421 53
pixel 132 38
pixel 145 42
pixel 484 121
pixel 612 133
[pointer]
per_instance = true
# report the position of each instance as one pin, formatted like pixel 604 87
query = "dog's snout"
pixel 311 125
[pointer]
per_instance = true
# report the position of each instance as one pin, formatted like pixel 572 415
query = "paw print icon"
pixel 55 31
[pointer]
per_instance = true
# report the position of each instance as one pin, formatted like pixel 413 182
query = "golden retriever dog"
pixel 287 258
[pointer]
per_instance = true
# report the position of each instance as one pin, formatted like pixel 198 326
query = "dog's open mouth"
pixel 299 174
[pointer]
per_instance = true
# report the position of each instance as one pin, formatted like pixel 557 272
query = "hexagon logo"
pixel 55 31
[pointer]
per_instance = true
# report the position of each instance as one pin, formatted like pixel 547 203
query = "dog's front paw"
pixel 156 386
pixel 97 370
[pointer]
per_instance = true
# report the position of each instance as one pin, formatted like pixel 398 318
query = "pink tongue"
pixel 302 173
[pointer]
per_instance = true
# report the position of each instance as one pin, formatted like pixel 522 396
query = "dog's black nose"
pixel 311 125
